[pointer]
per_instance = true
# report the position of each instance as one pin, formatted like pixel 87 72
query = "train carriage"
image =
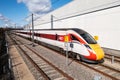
pixel 81 44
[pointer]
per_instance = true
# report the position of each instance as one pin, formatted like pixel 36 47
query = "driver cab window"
pixel 74 38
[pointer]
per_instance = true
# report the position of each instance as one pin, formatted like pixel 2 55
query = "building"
pixel 98 17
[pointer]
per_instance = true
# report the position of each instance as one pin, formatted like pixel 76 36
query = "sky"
pixel 17 12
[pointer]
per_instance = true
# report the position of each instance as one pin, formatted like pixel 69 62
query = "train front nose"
pixel 98 50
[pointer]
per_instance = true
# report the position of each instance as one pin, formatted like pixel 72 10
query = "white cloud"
pixel 37 6
pixel 3 18
pixel 0 15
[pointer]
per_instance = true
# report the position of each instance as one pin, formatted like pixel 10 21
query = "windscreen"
pixel 88 38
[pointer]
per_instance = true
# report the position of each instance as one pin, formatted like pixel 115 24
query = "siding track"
pixel 103 69
pixel 47 70
pixel 116 58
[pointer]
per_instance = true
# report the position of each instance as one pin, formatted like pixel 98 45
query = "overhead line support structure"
pixel 32 31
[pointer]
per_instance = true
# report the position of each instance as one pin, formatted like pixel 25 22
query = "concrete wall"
pixel 104 23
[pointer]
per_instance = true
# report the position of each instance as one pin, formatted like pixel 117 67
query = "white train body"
pixel 72 40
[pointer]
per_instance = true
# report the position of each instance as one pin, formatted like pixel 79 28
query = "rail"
pixel 36 65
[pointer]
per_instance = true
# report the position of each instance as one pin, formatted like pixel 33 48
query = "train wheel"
pixel 72 55
pixel 79 57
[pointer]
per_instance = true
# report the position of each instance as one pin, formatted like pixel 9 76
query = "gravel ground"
pixel 77 71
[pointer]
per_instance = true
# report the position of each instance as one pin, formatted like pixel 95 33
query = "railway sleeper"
pixel 61 78
pixel 54 76
pixel 51 71
pixel 47 69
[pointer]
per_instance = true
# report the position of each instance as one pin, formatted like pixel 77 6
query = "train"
pixel 78 43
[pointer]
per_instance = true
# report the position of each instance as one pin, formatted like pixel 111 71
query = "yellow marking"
pixel 96 38
pixel 66 38
pixel 98 50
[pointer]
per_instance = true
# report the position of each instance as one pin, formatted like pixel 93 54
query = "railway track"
pixel 104 69
pixel 46 69
pixel 101 68
pixel 115 58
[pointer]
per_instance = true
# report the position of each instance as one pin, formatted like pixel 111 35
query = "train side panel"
pixel 76 43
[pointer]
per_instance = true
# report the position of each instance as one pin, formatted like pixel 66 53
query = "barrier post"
pixel 112 61
pixel 66 43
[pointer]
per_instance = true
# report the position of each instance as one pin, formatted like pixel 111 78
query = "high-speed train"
pixel 79 43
